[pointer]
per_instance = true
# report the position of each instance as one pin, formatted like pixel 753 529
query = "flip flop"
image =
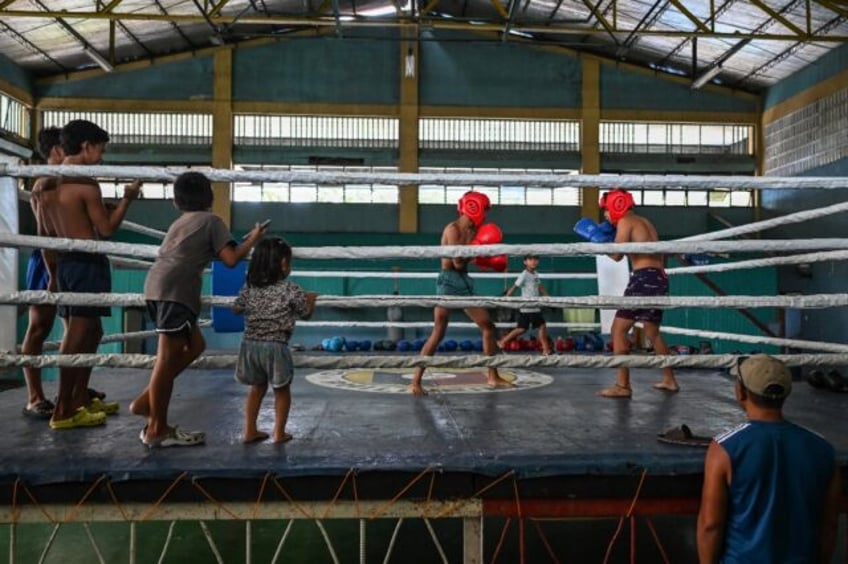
pixel 816 379
pixel 835 382
pixel 42 410
pixel 683 436
pixel 176 437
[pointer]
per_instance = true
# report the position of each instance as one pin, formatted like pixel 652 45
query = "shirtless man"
pixel 75 210
pixel 454 281
pixel 647 278
pixel 41 275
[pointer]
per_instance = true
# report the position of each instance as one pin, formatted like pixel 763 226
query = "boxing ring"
pixel 464 474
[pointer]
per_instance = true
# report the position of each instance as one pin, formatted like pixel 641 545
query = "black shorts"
pixel 533 319
pixel 171 317
pixel 86 273
pixel 647 282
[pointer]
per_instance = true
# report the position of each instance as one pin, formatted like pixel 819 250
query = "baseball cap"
pixel 764 376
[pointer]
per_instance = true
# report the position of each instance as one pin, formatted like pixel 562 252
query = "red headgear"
pixel 474 205
pixel 617 203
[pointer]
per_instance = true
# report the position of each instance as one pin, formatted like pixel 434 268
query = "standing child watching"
pixel 271 305
pixel 528 317
pixel 172 291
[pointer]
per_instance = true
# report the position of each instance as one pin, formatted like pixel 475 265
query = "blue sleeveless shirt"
pixel 780 477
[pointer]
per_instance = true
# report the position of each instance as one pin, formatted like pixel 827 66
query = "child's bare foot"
pixel 255 437
pixel 501 345
pixel 282 438
pixel 667 387
pixel 416 389
pixel 137 409
pixel 498 382
pixel 547 352
pixel 616 391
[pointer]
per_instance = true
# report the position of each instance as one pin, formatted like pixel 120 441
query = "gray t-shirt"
pixel 528 282
pixel 193 240
pixel 270 312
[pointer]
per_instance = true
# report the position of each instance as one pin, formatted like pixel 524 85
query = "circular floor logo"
pixel 437 380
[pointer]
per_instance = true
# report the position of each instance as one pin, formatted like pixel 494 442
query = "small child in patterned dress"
pixel 271 305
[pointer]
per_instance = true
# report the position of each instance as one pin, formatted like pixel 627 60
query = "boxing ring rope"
pixel 631 181
pixel 466 251
pixel 326 362
pixel 810 301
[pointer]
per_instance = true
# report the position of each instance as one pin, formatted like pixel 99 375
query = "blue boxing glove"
pixel 594 232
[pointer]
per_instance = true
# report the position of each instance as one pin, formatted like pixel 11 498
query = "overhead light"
pixel 98 58
pixel 707 76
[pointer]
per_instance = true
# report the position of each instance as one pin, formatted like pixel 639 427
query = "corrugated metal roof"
pixel 755 42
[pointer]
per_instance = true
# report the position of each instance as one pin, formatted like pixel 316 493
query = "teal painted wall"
pixel 833 62
pixel 624 89
pixel 464 72
pixel 331 70
pixel 14 74
pixel 189 79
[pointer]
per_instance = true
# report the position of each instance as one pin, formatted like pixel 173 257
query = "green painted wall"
pixel 465 70
pixel 624 89
pixel 189 79
pixel 340 70
pixel 830 64
pixel 14 74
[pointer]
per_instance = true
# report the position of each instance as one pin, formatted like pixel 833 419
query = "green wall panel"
pixel 189 79
pixel 833 62
pixel 12 73
pixel 330 70
pixel 624 89
pixel 460 71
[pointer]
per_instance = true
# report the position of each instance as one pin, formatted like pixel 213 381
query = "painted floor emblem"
pixel 445 380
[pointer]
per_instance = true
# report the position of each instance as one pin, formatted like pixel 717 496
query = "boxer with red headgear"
pixel 647 278
pixel 453 280
pixel 616 203
pixel 474 205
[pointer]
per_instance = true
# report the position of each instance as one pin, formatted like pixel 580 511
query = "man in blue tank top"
pixel 771 487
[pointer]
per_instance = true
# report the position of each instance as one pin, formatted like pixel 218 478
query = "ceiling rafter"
pixel 778 17
pixel 833 7
pixel 694 19
pixel 111 6
pixel 176 27
pixel 711 21
pixel 32 46
pixel 601 19
pixel 216 9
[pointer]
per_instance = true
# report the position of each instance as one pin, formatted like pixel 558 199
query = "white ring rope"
pixel 758 263
pixel 430 252
pixel 812 301
pixel 327 361
pixel 757 226
pixel 703 334
pixel 630 181
pixel 125 224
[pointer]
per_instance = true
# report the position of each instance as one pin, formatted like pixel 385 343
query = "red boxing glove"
pixel 488 234
pixel 497 263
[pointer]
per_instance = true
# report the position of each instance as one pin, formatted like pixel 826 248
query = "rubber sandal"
pixel 42 410
pixel 82 418
pixel 97 405
pixel 816 379
pixel 835 382
pixel 683 436
pixel 176 438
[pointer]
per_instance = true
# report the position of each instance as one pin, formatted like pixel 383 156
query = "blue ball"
pixel 466 345
pixel 403 345
pixel 336 344
pixel 351 345
pixel 325 344
pixel 450 345
pixel 478 345
pixel 441 347
pixel 418 344
pixel 365 345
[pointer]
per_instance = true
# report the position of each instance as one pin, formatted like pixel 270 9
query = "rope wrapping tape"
pixel 630 181
pixel 433 252
pixel 813 301
pixel 444 361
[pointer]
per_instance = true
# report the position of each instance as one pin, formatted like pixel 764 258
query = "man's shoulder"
pixel 76 182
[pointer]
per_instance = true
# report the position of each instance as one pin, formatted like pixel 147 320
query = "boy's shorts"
pixel 171 317
pixel 454 283
pixel 86 273
pixel 264 362
pixel 645 282
pixel 37 276
pixel 528 319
